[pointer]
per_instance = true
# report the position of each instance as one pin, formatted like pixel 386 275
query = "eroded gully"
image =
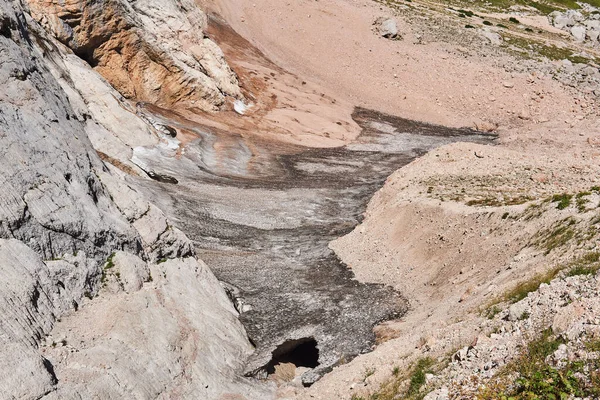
pixel 261 216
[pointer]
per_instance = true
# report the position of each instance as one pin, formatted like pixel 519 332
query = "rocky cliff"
pixel 101 297
pixel 148 50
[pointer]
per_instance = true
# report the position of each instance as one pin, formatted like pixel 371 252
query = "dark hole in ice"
pixel 300 352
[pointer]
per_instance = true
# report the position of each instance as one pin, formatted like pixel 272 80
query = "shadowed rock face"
pixel 262 215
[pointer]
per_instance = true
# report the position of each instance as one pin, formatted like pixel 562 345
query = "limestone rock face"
pixel 100 296
pixel 149 50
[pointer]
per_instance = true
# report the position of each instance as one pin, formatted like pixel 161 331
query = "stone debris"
pixel 583 28
pixel 569 306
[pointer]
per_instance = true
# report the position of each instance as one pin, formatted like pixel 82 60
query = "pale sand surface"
pixel 331 43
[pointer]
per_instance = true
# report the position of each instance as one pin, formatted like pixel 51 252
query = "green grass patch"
pixel 581 201
pixel 521 291
pixel 492 311
pixel 588 264
pixel 531 48
pixel 410 384
pixel 592 344
pixel 563 200
pixel 557 236
pixel 495 202
pixel 417 378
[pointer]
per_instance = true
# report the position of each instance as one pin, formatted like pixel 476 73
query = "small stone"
pixel 561 353
pixel 508 85
pixel 578 32
pixel 525 115
pixel 594 141
pixel 493 37
pixel 516 311
pixel 387 27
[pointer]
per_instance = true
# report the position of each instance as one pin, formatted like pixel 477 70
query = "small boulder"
pixel 592 25
pixel 578 32
pixel 517 310
pixel 132 271
pixel 574 15
pixel 493 37
pixel 562 21
pixel 592 35
pixel 387 27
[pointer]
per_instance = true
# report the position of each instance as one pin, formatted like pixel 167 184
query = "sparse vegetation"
pixel 521 291
pixel 408 385
pixel 417 378
pixel 563 200
pixel 492 311
pixel 495 202
pixel 466 13
pixel 592 344
pixel 536 380
pixel 109 262
pixel 581 200
pixel 514 20
pixel 557 236
pixel 586 265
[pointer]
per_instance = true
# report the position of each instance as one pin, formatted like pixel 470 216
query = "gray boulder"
pixel 387 27
pixel 578 32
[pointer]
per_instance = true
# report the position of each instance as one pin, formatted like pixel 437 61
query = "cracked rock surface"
pixel 100 295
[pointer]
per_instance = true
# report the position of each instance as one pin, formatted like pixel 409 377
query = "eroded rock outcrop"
pixel 148 50
pixel 100 296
